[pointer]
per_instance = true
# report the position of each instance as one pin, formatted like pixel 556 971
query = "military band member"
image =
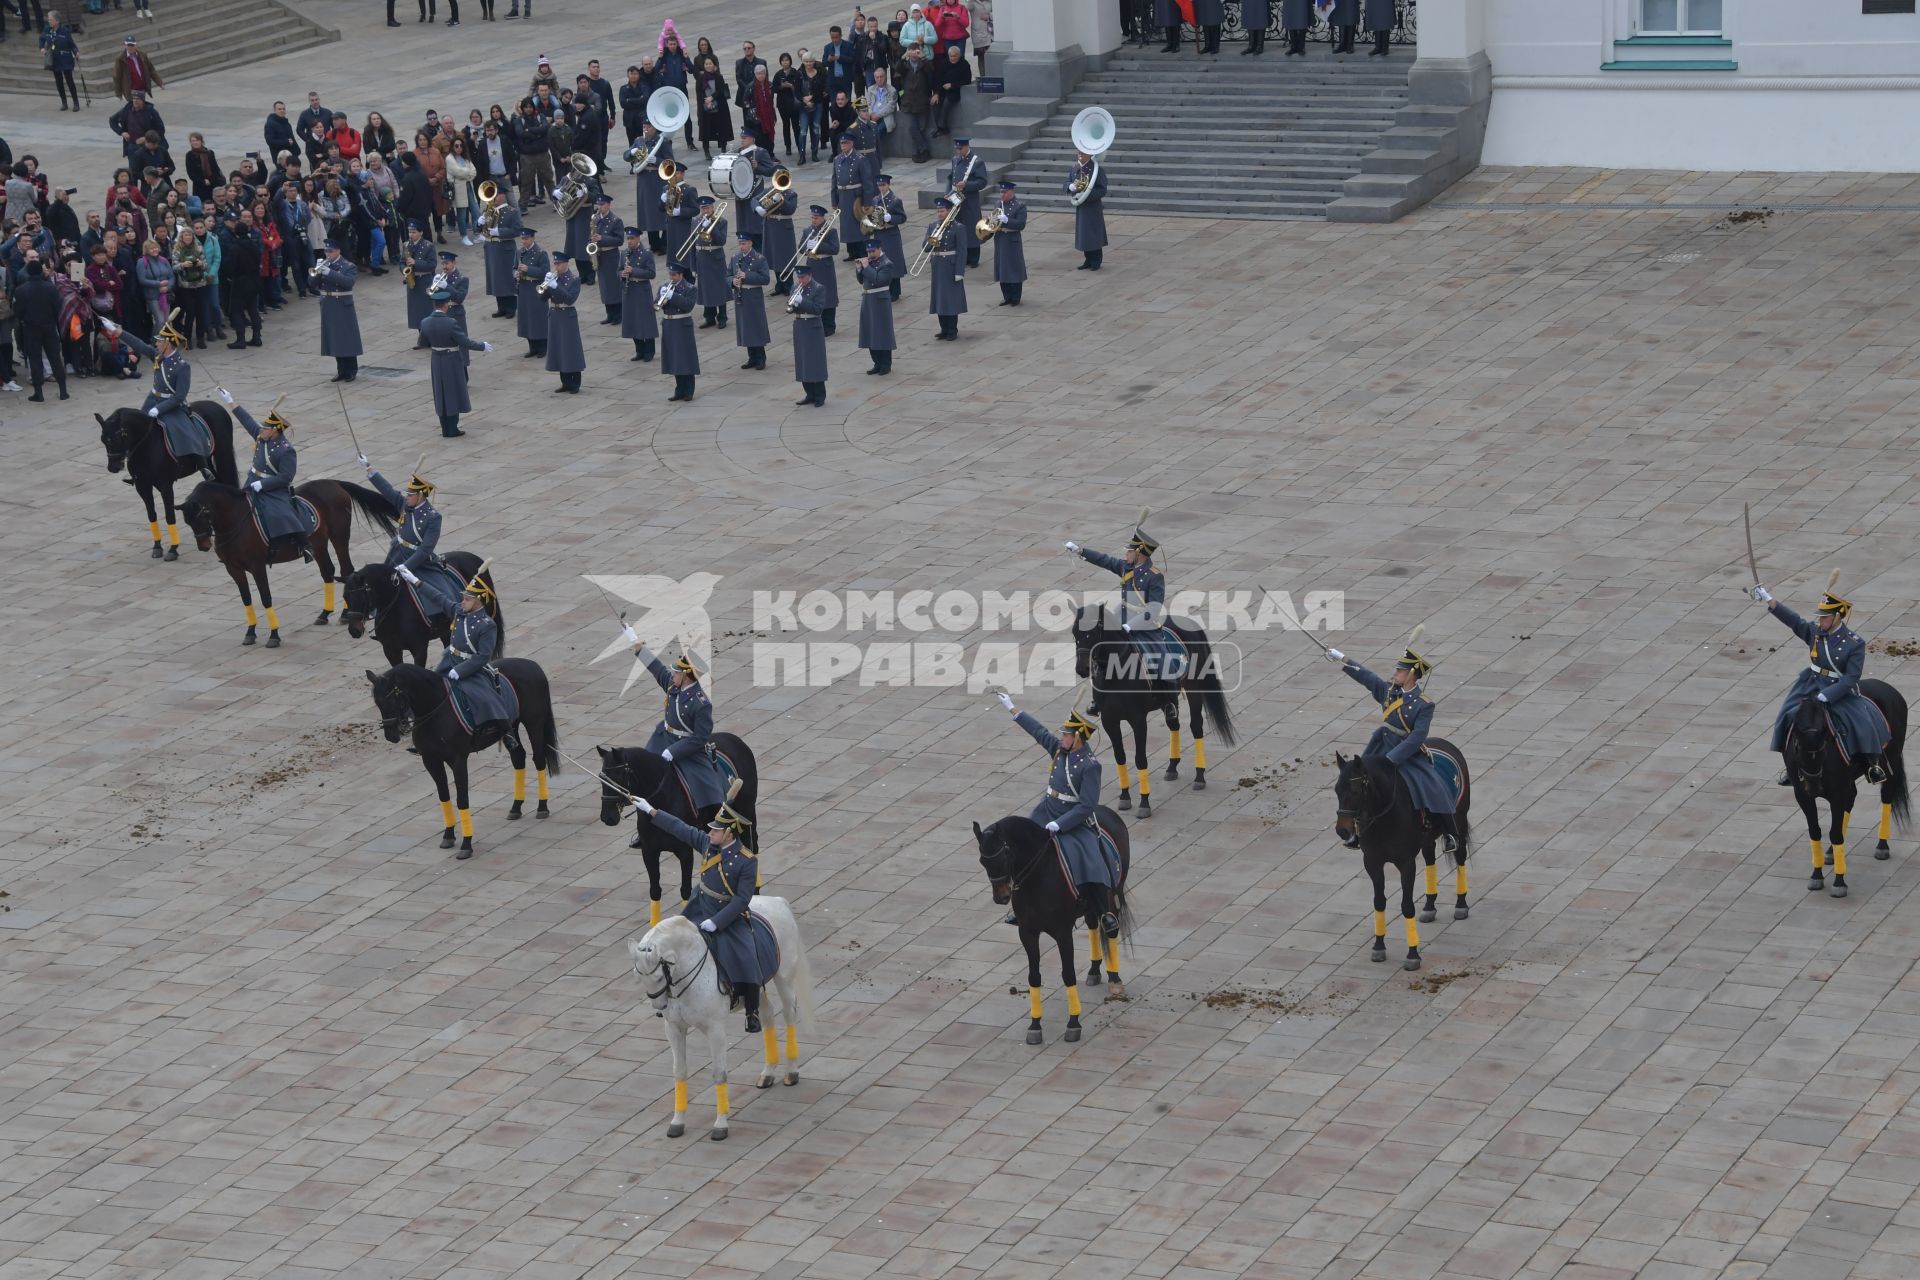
pixel 501 255
pixel 712 286
pixel 746 215
pixel 580 230
pixel 650 189
pixel 852 186
pixel 269 486
pixel 948 299
pixel 728 874
pixel 417 257
pixel 1379 24
pixel 455 285
pixel 866 138
pixel 969 174
pixel 1406 717
pixel 749 274
pixel 608 232
pixel 1836 660
pixel 683 206
pixel 876 306
pixel 531 265
pixel 339 325
pixel 809 342
pixel 1296 18
pixel 894 211
pixel 1066 808
pixel 637 318
pixel 1009 255
pixel 776 238
pixel 819 243
pixel 565 355
pixel 1089 221
pixel 679 350
pixel 450 345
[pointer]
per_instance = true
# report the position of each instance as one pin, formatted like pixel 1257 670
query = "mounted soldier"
pixel 1143 607
pixel 684 736
pixel 414 552
pixel 719 905
pixel 282 519
pixel 1066 808
pixel 1836 659
pixel 1406 717
pixel 187 436
pixel 478 691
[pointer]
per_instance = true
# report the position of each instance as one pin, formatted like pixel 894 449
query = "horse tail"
pixel 373 508
pixel 1894 790
pixel 550 734
pixel 1123 913
pixel 802 981
pixel 1206 683
pixel 225 469
pixel 1463 840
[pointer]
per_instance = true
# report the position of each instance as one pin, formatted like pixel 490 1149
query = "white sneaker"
pixel 10 386
pixel 466 240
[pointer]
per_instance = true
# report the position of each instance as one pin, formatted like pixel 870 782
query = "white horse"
pixel 684 986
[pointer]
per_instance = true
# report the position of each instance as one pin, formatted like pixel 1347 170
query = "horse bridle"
pixel 406 719
pixel 1013 878
pixel 1362 821
pixel 667 991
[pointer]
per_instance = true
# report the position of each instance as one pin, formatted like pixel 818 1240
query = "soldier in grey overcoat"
pixel 1379 22
pixel 776 239
pixel 728 873
pixel 580 232
pixel 339 324
pixel 679 349
pixel 417 255
pixel 809 342
pixel 1009 255
pixel 502 256
pixel 948 299
pixel 269 481
pixel 876 306
pixel 712 286
pixel 684 735
pixel 1344 18
pixel 1209 16
pixel 1836 660
pixel 748 275
pixel 1256 16
pixel 1089 218
pixel 818 245
pixel 968 173
pixel 1296 19
pixel 852 185
pixel 650 189
pixel 1406 717
pixel 608 232
pixel 637 318
pixel 1166 14
pixel 565 355
pixel 746 214
pixel 894 211
pixel 413 554
pixel 187 436
pixel 1068 806
pixel 531 265
pixel 467 663
pixel 683 206
pixel 450 345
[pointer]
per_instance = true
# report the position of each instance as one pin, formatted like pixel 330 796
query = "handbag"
pixel 46 58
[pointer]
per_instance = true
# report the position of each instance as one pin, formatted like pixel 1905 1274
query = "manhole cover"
pixel 384 371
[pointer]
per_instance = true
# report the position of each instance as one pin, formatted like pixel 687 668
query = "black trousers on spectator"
pixel 38 343
pixel 243 309
pixel 39 14
pixel 63 83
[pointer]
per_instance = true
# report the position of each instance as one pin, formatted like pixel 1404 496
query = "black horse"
pixel 374 594
pixel 1127 696
pixel 139 443
pixel 412 699
pixel 1024 867
pixel 640 772
pixel 1375 806
pixel 1821 772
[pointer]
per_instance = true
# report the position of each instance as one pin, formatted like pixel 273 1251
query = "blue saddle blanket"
pixel 1449 771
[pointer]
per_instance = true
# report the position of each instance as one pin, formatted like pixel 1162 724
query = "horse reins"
pixel 666 991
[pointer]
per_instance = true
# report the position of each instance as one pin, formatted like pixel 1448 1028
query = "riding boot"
pixel 1875 766
pixel 749 994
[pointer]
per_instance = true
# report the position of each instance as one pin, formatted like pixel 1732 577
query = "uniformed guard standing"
pixel 1166 15
pixel 650 189
pixel 852 186
pixel 809 342
pixel 565 355
pixel 1089 218
pixel 607 235
pixel 1379 22
pixel 531 265
pixel 1009 255
pixel 683 206
pixel 1256 16
pixel 1344 18
pixel 746 213
pixel 580 231
pixel 417 257
pixel 777 243
pixel 679 349
pixel 749 274
pixel 637 319
pixel 712 286
pixel 818 244
pixel 876 306
pixel 1067 807
pixel 501 256
pixel 1406 717
pixel 1296 19
pixel 1209 16
pixel 1836 660
pixel 948 297
pixel 969 175
pixel 728 873
pixel 450 345
pixel 894 213
pixel 339 325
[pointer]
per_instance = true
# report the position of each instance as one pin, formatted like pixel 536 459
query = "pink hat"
pixel 667 29
pixel 543 61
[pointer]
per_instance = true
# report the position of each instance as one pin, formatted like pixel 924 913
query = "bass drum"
pixel 730 177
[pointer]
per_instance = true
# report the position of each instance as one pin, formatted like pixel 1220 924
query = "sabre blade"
pixel 1746 519
pixel 617 613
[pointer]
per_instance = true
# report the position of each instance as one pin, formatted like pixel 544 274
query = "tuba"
pixel 1093 131
pixel 574 192
pixel 768 202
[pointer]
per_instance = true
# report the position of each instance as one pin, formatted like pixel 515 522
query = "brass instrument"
pixel 1093 133
pixel 593 249
pixel 986 228
pixel 406 272
pixel 871 217
pixel 660 303
pixel 574 192
pixel 702 231
pixel 793 302
pixel 669 172
pixel 934 239
pixel 768 202
pixel 801 253
pixel 489 211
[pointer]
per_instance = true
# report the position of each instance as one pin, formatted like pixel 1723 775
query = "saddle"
pixel 766 947
pixel 1109 849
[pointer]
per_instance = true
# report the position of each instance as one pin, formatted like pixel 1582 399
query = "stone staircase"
pixel 1225 137
pixel 186 38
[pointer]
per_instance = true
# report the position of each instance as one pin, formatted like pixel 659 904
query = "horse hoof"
pixel 542 811
pixel 1033 1037
pixel 764 1082
pixel 1115 989
pixel 446 838
pixel 1410 963
pixel 792 1078
pixel 676 1130
pixel 1839 890
pixel 1146 807
pixel 157 552
pixel 514 814
pixel 1093 973
pixel 249 638
pixel 1377 955
pixel 173 553
pixel 273 640
pixel 1882 853
pixel 321 621
pixel 1816 882
pixel 1200 780
pixel 719 1133
pixel 466 848
pixel 1459 913
pixel 1173 771
pixel 1072 1036
pixel 1126 802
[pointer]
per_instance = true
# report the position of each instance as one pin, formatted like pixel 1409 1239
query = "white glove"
pixel 706 926
pixel 551 280
pixel 486 346
pixel 1053 826
pixel 1126 624
pixel 407 573
pixel 153 412
pixel 1334 655
pixel 665 289
pixel 1002 218
pixel 632 636
pixel 667 756
pixel 366 463
pixel 1006 699
pixel 255 486
pixel 1820 697
pixel 640 805
pixel 454 674
pixel 226 396
pixel 556 192
pixel 1761 595
pixel 1073 548
pixel 663 197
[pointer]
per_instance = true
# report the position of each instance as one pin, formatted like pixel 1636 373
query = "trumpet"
pixel 793 302
pixel 768 202
pixel 666 292
pixel 439 281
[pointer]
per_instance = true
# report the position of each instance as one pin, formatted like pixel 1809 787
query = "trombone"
pixel 934 239
pixel 805 249
pixel 702 228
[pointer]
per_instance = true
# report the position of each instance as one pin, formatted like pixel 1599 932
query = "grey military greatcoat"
pixel 852 184
pixel 531 318
pixel 420 256
pixel 969 173
pixel 1296 15
pixel 502 252
pixel 1089 220
pixel 564 352
pixel 275 465
pixel 821 245
pixel 889 236
pixel 679 352
pixel 714 288
pixel 1072 795
pixel 750 301
pixel 636 294
pixel 949 270
pixel 876 304
pixel 648 188
pixel 1379 15
pixel 1009 254
pixel 776 236
pixel 187 436
pixel 339 323
pixel 449 362
pixel 809 338
pixel 609 233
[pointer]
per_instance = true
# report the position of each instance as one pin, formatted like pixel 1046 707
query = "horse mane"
pixel 1017 826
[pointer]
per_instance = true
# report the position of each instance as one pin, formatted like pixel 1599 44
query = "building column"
pixel 1043 47
pixel 1452 67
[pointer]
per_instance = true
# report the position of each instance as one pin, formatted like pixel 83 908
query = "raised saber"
pixel 1753 565
pixel 358 451
pixel 619 614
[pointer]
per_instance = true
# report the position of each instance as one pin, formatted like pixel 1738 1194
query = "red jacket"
pixel 347 138
pixel 950 22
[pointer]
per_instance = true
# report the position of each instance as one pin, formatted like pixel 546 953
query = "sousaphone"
pixel 1093 133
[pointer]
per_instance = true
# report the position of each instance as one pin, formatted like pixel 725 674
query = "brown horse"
pixel 222 521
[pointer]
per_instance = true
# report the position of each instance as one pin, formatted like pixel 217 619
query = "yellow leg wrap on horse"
pixel 1460 881
pixel 771 1040
pixel 1126 778
pixel 1033 1003
pixel 1113 957
pixel 519 784
pixel 1146 784
pixel 679 1095
pixel 1844 818
pixel 1819 855
pixel 1173 740
pixel 1073 1000
pixel 1093 945
pixel 1199 753
pixel 446 813
pixel 540 780
pixel 273 618
pixel 793 1044
pixel 326 596
pixel 253 618
pixel 1379 924
pixel 466 822
pixel 1886 821
pixel 153 527
pixel 1840 859
pixel 653 913
pixel 1413 932
pixel 720 1106
pixel 173 534
pixel 1433 879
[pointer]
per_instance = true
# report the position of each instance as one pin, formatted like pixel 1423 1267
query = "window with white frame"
pixel 1679 17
